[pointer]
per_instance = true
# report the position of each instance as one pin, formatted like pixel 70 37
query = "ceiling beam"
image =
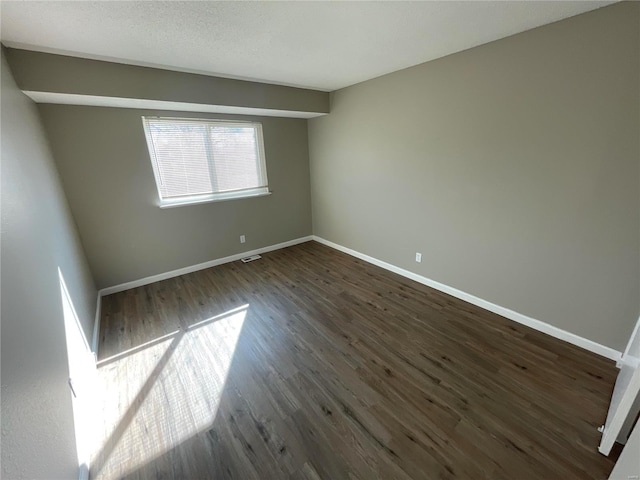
pixel 50 78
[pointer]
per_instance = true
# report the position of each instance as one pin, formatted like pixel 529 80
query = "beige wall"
pixel 513 167
pixel 104 163
pixel 38 238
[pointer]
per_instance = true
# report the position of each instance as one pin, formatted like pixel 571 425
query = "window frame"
pixel 214 196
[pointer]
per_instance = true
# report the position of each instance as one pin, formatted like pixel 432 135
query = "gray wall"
pixel 104 163
pixel 45 72
pixel 38 237
pixel 513 167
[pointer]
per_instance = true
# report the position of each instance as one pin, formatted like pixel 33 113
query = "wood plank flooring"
pixel 311 364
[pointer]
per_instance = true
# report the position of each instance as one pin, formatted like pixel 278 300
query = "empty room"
pixel 320 240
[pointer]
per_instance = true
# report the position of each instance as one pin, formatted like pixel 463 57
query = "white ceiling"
pixel 321 45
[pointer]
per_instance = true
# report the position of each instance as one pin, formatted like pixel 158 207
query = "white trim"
pixel 201 266
pixel 629 360
pixel 628 357
pixel 146 104
pixel 539 325
pixel 215 197
pixel 634 334
pixel 611 431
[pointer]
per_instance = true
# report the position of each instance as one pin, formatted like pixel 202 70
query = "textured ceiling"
pixel 321 45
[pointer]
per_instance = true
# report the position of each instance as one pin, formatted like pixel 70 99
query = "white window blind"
pixel 196 161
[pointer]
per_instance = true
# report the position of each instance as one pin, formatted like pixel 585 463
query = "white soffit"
pixel 139 103
pixel 318 45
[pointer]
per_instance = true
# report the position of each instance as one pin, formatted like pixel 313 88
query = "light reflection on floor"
pixel 156 396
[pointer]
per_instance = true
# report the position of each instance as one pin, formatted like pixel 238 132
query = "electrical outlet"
pixel 418 257
pixel 242 239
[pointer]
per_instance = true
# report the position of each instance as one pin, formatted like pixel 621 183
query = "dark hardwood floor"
pixel 312 364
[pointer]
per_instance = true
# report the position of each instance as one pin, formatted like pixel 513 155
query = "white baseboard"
pixel 201 266
pixel 539 325
pixel 492 307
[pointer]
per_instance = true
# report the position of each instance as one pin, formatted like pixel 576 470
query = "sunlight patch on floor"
pixel 157 396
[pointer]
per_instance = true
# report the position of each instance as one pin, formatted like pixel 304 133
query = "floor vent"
pixel 251 258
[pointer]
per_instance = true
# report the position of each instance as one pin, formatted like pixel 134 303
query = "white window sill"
pixel 220 197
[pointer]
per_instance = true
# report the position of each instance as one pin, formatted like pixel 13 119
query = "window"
pixel 196 161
